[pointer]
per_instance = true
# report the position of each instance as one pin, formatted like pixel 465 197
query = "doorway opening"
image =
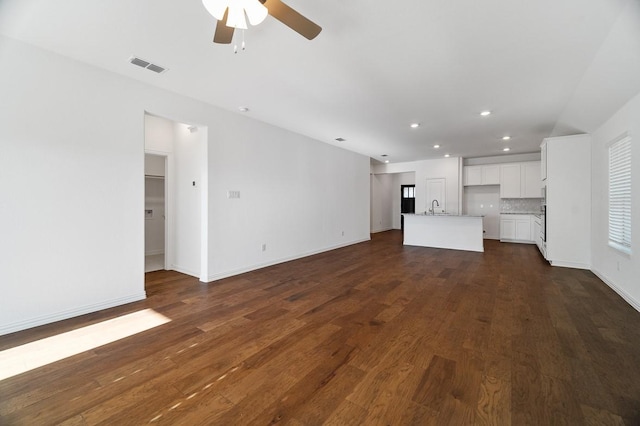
pixel 181 153
pixel 407 201
pixel 155 210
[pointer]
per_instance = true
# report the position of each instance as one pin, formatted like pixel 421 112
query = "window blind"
pixel 620 194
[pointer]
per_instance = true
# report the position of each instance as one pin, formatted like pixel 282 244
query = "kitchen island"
pixel 455 232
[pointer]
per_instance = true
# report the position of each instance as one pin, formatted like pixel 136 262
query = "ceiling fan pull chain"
pixel 242 45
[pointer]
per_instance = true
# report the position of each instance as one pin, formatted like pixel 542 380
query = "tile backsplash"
pixel 520 205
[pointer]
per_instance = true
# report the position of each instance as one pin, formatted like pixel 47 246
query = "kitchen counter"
pixel 456 232
pixel 440 215
pixel 532 213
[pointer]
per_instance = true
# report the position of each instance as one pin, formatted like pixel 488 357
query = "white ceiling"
pixel 375 68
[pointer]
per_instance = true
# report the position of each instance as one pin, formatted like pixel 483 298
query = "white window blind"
pixel 620 194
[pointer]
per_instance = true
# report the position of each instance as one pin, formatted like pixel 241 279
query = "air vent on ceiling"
pixel 146 64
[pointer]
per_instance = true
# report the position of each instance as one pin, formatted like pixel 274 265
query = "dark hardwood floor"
pixel 375 333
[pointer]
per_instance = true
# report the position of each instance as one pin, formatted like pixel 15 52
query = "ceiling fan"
pixel 231 15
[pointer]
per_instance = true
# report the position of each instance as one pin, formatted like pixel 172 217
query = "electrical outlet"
pixel 343 233
pixel 264 247
pixel 233 194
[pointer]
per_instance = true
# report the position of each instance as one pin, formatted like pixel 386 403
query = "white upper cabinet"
pixel 472 175
pixel 520 180
pixel 510 181
pixel 531 184
pixel 491 175
pixel 482 175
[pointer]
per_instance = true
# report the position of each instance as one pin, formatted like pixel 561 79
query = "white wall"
pixel 297 197
pixel 382 202
pixel 72 139
pixel 72 189
pixel 618 270
pixel 448 168
pixel 484 201
pixel 189 186
pixel 153 164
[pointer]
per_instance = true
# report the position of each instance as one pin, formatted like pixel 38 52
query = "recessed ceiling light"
pixel 243 109
pixel 485 113
pixel 506 138
pixel 447 155
pixel 415 125
pixel 506 149
pixel 340 139
pixel 386 161
pixel 383 155
pixel 436 146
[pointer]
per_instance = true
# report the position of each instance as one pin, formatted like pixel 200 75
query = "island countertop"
pixel 441 215
pixel 457 232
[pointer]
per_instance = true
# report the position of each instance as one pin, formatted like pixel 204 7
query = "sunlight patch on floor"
pixel 36 354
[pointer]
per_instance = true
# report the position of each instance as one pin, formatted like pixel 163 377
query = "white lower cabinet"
pixel 537 225
pixel 507 228
pixel 523 229
pixel 516 228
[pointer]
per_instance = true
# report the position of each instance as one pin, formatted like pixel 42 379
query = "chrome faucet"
pixel 433 211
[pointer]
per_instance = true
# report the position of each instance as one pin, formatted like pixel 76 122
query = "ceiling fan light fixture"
pixel 236 18
pixel 256 12
pixel 216 7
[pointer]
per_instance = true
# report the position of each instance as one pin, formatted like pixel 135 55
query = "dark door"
pixel 407 201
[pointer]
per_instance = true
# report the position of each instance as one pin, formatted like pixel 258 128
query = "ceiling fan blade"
pixel 223 34
pixel 292 19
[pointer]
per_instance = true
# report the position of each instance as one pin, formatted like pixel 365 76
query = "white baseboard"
pixel 227 274
pixel 375 231
pixel 626 296
pixel 75 312
pixel 574 265
pixel 185 271
pixel 504 240
pixel 153 252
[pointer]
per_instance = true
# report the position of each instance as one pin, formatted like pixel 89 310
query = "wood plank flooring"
pixel 375 333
